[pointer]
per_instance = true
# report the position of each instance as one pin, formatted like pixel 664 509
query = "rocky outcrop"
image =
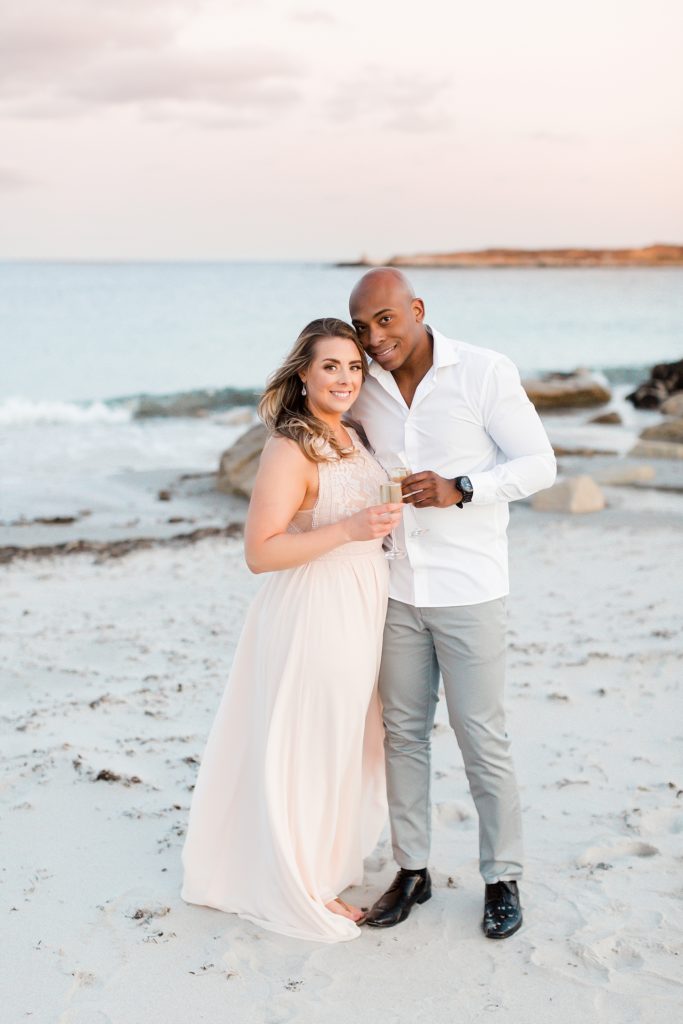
pixel 646 256
pixel 665 379
pixel 577 494
pixel 580 389
pixel 673 406
pixel 194 403
pixel 238 465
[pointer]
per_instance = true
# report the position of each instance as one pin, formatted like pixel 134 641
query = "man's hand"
pixel 429 490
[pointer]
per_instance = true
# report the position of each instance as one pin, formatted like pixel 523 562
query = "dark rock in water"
pixel 194 403
pixel 669 430
pixel 238 465
pixel 49 520
pixel 56 520
pixel 608 418
pixel 579 389
pixel 665 379
pixel 649 395
pixel 164 496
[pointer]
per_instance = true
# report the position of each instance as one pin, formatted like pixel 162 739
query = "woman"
pixel 290 795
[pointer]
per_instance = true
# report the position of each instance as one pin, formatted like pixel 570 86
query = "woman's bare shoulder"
pixel 284 452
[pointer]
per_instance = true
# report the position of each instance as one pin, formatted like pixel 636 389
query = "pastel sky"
pixel 283 129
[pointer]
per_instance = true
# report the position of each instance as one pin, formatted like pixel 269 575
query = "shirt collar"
pixel 445 354
pixel 445 351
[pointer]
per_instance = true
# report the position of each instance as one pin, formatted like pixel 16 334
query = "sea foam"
pixel 25 412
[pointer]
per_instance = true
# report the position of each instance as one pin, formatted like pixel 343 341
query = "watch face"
pixel 465 485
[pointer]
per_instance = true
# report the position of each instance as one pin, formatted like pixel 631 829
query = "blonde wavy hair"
pixel 283 408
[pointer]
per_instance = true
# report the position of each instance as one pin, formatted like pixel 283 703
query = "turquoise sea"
pixel 80 342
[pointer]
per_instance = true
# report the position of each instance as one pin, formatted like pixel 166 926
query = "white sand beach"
pixel 112 671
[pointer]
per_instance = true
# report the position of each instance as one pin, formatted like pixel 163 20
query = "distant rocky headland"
pixel 657 255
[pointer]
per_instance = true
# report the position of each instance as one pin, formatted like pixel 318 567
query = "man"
pixel 458 416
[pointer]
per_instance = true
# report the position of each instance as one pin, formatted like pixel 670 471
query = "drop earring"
pixel 303 389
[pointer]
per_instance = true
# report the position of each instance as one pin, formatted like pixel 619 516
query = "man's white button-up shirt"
pixel 470 416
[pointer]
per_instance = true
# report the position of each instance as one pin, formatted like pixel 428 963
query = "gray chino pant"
pixel 467 645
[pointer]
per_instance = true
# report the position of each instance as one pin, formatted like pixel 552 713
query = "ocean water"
pixel 79 343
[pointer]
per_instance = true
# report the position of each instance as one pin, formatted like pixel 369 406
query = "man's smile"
pixel 384 352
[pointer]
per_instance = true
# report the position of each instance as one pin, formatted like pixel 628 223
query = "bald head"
pixel 389 317
pixel 382 280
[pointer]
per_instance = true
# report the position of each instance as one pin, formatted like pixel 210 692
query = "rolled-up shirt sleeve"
pixel 512 422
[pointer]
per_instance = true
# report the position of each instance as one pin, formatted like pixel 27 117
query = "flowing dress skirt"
pixel 290 794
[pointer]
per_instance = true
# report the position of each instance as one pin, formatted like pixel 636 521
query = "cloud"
pixel 37 40
pixel 127 55
pixel 232 87
pixel 311 17
pixel 409 103
pixel 237 76
pixel 555 138
pixel 11 179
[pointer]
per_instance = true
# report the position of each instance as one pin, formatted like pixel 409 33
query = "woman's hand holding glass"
pixel 375 522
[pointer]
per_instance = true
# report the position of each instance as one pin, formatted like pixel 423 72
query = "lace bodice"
pixel 345 486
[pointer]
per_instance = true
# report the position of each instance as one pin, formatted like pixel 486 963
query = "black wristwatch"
pixel 464 485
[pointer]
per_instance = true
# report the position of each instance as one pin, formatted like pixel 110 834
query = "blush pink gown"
pixel 290 795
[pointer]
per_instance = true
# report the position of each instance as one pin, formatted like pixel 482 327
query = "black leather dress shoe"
pixel 502 912
pixel 394 906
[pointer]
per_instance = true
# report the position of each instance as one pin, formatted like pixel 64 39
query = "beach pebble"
pixel 576 494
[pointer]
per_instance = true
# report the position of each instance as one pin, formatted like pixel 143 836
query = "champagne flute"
pixel 399 474
pixel 391 492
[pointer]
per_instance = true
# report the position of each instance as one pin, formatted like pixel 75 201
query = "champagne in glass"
pixel 399 473
pixel 391 492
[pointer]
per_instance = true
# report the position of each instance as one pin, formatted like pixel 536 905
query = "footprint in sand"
pixel 595 955
pixel 83 979
pixel 618 851
pixel 451 813
pixel 662 820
